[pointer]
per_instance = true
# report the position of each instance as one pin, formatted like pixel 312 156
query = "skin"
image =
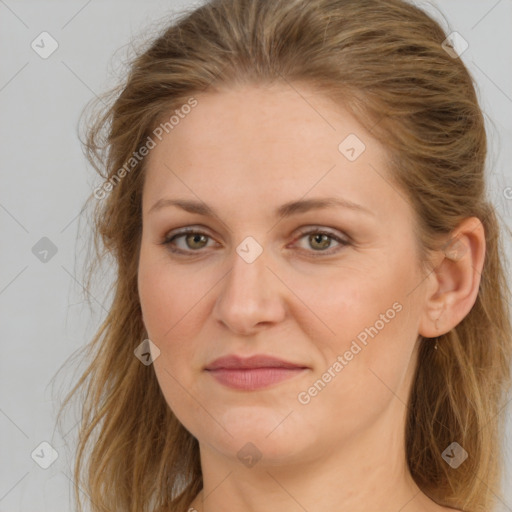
pixel 245 151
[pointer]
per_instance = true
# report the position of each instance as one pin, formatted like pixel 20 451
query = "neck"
pixel 360 477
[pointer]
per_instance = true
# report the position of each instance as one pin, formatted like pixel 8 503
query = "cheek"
pixel 368 319
pixel 174 309
pixel 364 371
pixel 167 301
pixel 169 297
pixel 335 309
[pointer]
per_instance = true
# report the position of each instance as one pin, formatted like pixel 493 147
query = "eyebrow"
pixel 285 210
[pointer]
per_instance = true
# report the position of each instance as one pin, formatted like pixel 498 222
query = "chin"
pixel 274 438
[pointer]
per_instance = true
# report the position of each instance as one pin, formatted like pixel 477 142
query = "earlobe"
pixel 436 323
pixel 432 323
pixel 454 282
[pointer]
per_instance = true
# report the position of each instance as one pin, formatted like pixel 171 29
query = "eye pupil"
pixel 196 237
pixel 318 238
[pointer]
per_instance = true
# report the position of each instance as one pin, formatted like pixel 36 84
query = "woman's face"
pixel 335 290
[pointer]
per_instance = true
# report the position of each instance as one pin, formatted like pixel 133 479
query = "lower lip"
pixel 253 378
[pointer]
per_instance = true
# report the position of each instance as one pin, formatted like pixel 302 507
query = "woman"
pixel 310 304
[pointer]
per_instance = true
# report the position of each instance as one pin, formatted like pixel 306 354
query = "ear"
pixel 452 287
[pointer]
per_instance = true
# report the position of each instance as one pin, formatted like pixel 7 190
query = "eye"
pixel 194 241
pixel 320 240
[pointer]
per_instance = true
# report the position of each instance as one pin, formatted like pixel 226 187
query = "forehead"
pixel 263 143
pixel 248 119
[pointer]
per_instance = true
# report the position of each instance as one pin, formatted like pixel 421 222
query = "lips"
pixel 252 373
pixel 234 362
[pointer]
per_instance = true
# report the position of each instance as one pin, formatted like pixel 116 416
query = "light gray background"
pixel 45 181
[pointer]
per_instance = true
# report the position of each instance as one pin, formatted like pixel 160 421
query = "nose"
pixel 250 297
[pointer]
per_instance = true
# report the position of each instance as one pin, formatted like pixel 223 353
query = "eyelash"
pixel 315 254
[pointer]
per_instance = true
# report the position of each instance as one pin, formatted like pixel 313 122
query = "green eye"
pixel 320 240
pixel 194 241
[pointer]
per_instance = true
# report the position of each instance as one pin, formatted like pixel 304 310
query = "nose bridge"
pixel 249 294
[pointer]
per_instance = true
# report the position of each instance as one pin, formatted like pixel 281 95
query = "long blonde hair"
pixel 384 61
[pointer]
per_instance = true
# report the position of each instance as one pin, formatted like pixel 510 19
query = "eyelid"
pixel 328 231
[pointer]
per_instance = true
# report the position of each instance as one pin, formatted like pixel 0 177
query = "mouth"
pixel 252 373
pixel 251 379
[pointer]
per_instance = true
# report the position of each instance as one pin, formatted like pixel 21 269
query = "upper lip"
pixel 256 361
